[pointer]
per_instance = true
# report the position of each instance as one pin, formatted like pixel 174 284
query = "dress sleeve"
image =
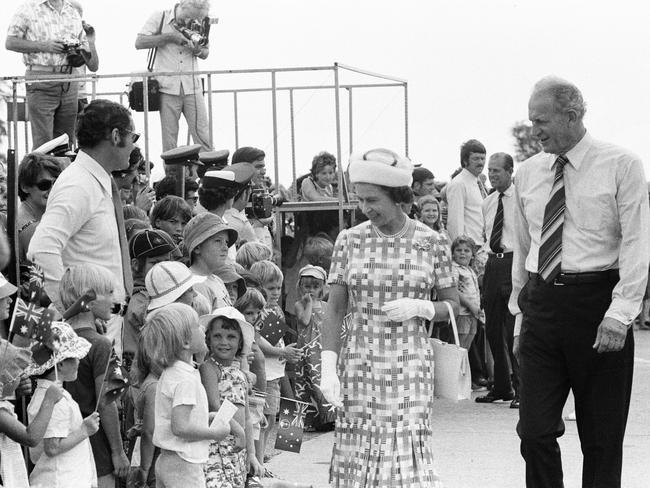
pixel 338 269
pixel 59 425
pixel 442 268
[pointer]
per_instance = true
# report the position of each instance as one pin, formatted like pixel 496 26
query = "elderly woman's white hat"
pixel 380 167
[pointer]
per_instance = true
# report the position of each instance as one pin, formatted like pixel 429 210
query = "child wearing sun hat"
pixel 64 456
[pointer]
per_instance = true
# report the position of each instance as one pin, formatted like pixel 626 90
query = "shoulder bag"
pixel 136 89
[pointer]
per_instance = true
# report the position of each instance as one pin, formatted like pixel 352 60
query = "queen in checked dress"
pixel 383 272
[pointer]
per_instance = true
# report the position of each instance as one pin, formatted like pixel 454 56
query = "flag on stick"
pixel 272 327
pixel 290 426
pixel 115 381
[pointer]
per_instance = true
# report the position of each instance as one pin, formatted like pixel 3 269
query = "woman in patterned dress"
pixel 383 271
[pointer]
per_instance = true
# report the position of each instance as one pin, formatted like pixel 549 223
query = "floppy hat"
pixel 313 271
pixel 380 167
pixel 167 281
pixel 150 242
pixel 205 225
pixel 248 331
pixel 228 274
pixel 66 344
pixel 6 288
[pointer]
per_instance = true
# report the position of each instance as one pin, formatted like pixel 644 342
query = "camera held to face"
pixel 262 203
pixel 195 31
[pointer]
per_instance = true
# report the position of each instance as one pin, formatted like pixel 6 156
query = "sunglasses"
pixel 44 185
pixel 134 136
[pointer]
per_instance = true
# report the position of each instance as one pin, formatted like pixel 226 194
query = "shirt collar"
pixel 577 153
pixel 96 170
pixel 510 190
pixel 184 366
pixel 465 172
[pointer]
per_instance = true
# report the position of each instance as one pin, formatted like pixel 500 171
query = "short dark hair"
pixel 468 147
pixel 31 166
pixel 247 154
pixel 398 194
pixel 169 207
pixel 167 186
pixel 508 163
pixel 322 160
pixel 228 324
pixel 420 175
pixel 464 240
pixel 211 198
pixel 98 118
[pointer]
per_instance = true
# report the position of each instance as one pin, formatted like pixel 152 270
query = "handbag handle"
pixel 452 319
pixel 151 57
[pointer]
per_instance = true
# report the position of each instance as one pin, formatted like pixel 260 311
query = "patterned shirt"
pixel 37 20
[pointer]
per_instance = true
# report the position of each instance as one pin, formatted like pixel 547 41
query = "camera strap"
pixel 151 57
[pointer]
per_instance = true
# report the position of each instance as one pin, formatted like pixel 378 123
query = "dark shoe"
pixel 481 382
pixel 515 403
pixel 492 397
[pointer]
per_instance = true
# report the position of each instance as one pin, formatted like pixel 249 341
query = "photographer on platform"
pixel 180 35
pixel 52 39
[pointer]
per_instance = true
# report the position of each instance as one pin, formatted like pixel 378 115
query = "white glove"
pixel 329 382
pixel 404 309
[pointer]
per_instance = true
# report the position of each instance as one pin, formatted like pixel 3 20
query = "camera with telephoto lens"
pixel 196 32
pixel 262 203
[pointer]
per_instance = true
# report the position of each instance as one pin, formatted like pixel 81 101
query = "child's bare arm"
pixel 54 446
pixel 183 427
pixel 210 380
pixel 148 421
pixel 303 309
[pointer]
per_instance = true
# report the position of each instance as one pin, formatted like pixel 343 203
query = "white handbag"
pixel 452 378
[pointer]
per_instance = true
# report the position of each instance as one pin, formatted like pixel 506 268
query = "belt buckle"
pixel 499 255
pixel 556 282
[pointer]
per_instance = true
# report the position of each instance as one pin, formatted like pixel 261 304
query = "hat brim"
pixel 172 295
pixel 248 331
pixel 313 273
pixel 233 235
pixel 7 290
pixel 380 174
pixel 77 348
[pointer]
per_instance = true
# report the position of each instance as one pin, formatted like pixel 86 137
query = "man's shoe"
pixel 515 403
pixel 492 397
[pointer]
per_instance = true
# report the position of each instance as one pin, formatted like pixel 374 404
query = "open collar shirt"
pixel 37 20
pixel 490 205
pixel 172 57
pixel 78 225
pixel 606 220
pixel 464 211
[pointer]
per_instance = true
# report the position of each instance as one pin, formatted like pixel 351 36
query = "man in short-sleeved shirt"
pixel 41 29
pixel 184 93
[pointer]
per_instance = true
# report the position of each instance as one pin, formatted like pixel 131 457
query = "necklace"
pixel 398 234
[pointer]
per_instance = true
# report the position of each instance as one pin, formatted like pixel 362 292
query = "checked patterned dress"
pixel 383 433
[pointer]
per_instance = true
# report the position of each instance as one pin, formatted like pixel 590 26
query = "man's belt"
pixel 500 255
pixel 607 276
pixel 65 69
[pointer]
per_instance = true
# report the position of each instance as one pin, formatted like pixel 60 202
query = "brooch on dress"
pixel 424 244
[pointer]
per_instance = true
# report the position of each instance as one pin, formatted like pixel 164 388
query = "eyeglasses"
pixel 134 135
pixel 44 185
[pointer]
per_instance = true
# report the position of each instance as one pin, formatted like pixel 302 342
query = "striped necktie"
pixel 497 227
pixel 550 248
pixel 124 249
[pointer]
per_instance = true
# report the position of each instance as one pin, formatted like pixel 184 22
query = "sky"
pixel 470 66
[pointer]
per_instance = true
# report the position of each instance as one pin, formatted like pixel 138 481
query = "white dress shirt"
pixel 606 220
pixel 78 225
pixel 490 205
pixel 464 214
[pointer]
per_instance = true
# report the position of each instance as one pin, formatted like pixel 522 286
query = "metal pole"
pixel 278 216
pixel 337 103
pixel 406 120
pixel 210 122
pixel 145 114
pixel 350 128
pixel 15 114
pixel 293 138
pixel 236 112
pixel 93 94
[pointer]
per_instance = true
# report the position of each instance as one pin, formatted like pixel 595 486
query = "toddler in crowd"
pixel 64 457
pixel 107 446
pixel 223 379
pixel 252 252
pixel 235 284
pixel 275 355
pixel 182 431
pixel 462 250
pixel 310 311
pixel 318 186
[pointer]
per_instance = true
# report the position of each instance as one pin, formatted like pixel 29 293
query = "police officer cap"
pixel 235 176
pixel 182 155
pixel 217 159
pixel 55 147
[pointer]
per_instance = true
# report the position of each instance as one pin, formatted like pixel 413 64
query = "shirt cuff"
pixel 625 311
pixel 518 320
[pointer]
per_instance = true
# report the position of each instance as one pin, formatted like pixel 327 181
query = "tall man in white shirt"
pixel 497 282
pixel 579 275
pixel 178 94
pixel 464 195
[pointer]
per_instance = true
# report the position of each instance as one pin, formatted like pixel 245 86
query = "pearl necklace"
pixel 400 233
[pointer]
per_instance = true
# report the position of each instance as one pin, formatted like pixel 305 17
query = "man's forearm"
pixel 149 42
pixel 24 46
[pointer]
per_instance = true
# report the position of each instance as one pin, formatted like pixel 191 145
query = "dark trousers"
pixel 558 330
pixel 500 323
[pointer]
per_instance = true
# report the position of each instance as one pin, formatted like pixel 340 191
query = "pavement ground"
pixel 475 445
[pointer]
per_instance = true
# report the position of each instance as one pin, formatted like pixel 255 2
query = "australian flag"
pixel 291 425
pixel 115 381
pixel 273 327
pixel 32 321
